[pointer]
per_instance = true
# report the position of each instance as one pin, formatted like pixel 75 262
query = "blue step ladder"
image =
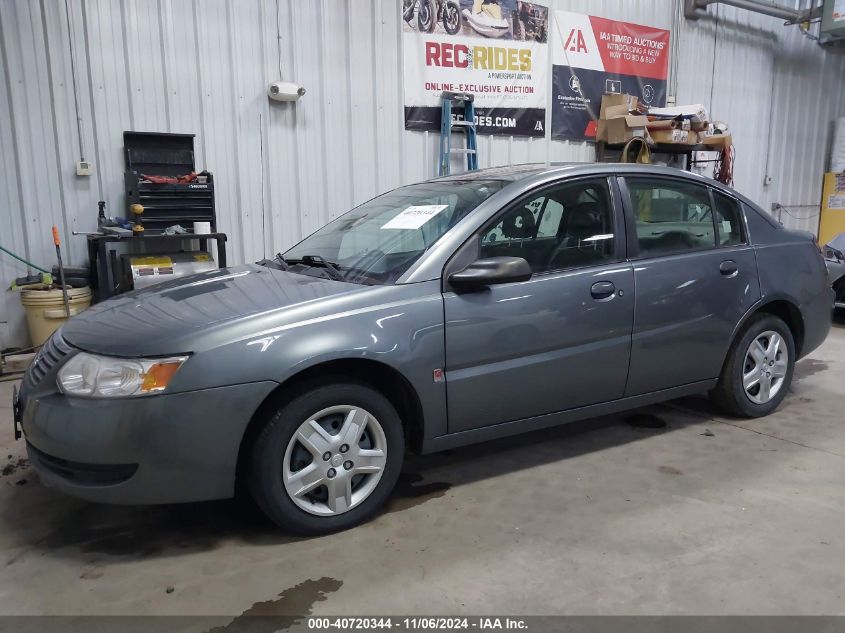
pixel 467 126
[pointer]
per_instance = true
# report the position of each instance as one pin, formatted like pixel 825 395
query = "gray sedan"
pixel 834 254
pixel 439 314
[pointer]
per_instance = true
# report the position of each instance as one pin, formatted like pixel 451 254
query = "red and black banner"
pixel 594 56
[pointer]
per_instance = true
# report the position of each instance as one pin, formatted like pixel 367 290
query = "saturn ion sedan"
pixel 440 314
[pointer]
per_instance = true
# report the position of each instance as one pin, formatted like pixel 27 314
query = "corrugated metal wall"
pixel 282 170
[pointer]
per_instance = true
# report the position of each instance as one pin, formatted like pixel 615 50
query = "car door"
pixel 695 277
pixel 557 341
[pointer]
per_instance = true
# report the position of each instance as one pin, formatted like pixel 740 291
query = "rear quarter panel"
pixel 791 268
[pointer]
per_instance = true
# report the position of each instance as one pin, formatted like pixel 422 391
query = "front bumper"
pixel 158 449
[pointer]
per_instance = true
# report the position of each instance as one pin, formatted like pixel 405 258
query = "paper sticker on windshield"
pixel 415 216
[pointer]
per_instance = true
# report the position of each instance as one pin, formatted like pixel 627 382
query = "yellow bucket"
pixel 45 310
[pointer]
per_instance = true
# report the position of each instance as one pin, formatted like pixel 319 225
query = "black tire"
pixel 268 450
pixel 729 393
pixel 425 16
pixel 451 18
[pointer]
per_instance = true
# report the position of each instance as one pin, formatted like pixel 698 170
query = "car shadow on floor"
pixel 46 521
pixel 528 450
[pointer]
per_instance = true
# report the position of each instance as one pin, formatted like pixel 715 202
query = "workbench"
pixel 607 153
pixel 103 263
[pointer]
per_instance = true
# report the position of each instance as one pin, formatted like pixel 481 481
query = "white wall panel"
pixel 282 170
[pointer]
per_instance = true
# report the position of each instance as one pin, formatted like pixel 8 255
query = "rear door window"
pixel 728 220
pixel 671 216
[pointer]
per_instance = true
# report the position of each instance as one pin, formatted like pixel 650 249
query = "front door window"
pixel 568 226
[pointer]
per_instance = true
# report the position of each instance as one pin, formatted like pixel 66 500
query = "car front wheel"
pixel 758 371
pixel 328 459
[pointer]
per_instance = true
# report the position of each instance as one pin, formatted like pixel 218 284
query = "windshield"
pixel 378 241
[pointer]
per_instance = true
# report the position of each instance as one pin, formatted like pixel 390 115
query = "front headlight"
pixel 833 254
pixel 89 376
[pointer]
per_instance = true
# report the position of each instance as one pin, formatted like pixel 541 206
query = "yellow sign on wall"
pixel 832 221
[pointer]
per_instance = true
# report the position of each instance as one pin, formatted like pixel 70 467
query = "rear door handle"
pixel 728 268
pixel 602 290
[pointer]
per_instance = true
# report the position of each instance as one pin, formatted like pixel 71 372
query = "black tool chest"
pixel 162 154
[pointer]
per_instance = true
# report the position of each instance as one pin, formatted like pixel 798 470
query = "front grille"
pixel 50 355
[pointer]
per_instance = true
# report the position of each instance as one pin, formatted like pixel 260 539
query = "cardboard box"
pixel 616 124
pixel 612 100
pixel 679 137
pixel 622 129
pixel 612 112
pixel 716 141
pixel 671 136
pixel 601 130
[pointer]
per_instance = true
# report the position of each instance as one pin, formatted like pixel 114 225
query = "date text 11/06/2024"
pixel 417 623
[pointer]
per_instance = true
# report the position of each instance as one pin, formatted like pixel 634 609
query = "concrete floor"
pixel 708 515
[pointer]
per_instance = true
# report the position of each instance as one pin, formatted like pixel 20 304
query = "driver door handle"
pixel 728 268
pixel 602 290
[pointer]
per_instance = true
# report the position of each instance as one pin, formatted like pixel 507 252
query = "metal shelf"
pixel 674 149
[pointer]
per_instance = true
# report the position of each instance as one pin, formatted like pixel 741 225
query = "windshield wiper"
pixel 318 262
pixel 277 262
pixel 281 261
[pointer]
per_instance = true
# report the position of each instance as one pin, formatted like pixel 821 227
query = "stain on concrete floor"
pixel 283 612
pixel 139 532
pixel 411 490
pixel 670 470
pixel 13 466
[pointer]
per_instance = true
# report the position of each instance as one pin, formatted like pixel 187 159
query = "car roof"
pixel 510 173
pixel 517 173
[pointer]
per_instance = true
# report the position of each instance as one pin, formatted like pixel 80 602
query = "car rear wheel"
pixel 758 371
pixel 328 459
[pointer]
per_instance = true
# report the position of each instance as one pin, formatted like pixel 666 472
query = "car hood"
pixel 838 242
pixel 184 315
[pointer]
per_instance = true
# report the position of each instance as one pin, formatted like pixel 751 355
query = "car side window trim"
pixel 631 243
pixel 746 210
pixel 631 219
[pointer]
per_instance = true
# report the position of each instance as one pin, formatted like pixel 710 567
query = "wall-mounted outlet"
pixel 83 168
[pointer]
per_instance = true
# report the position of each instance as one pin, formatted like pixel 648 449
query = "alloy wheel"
pixel 334 460
pixel 765 367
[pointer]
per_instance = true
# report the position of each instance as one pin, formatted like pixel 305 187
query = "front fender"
pixel 398 326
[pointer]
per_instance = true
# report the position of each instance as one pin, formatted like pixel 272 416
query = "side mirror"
pixel 488 272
